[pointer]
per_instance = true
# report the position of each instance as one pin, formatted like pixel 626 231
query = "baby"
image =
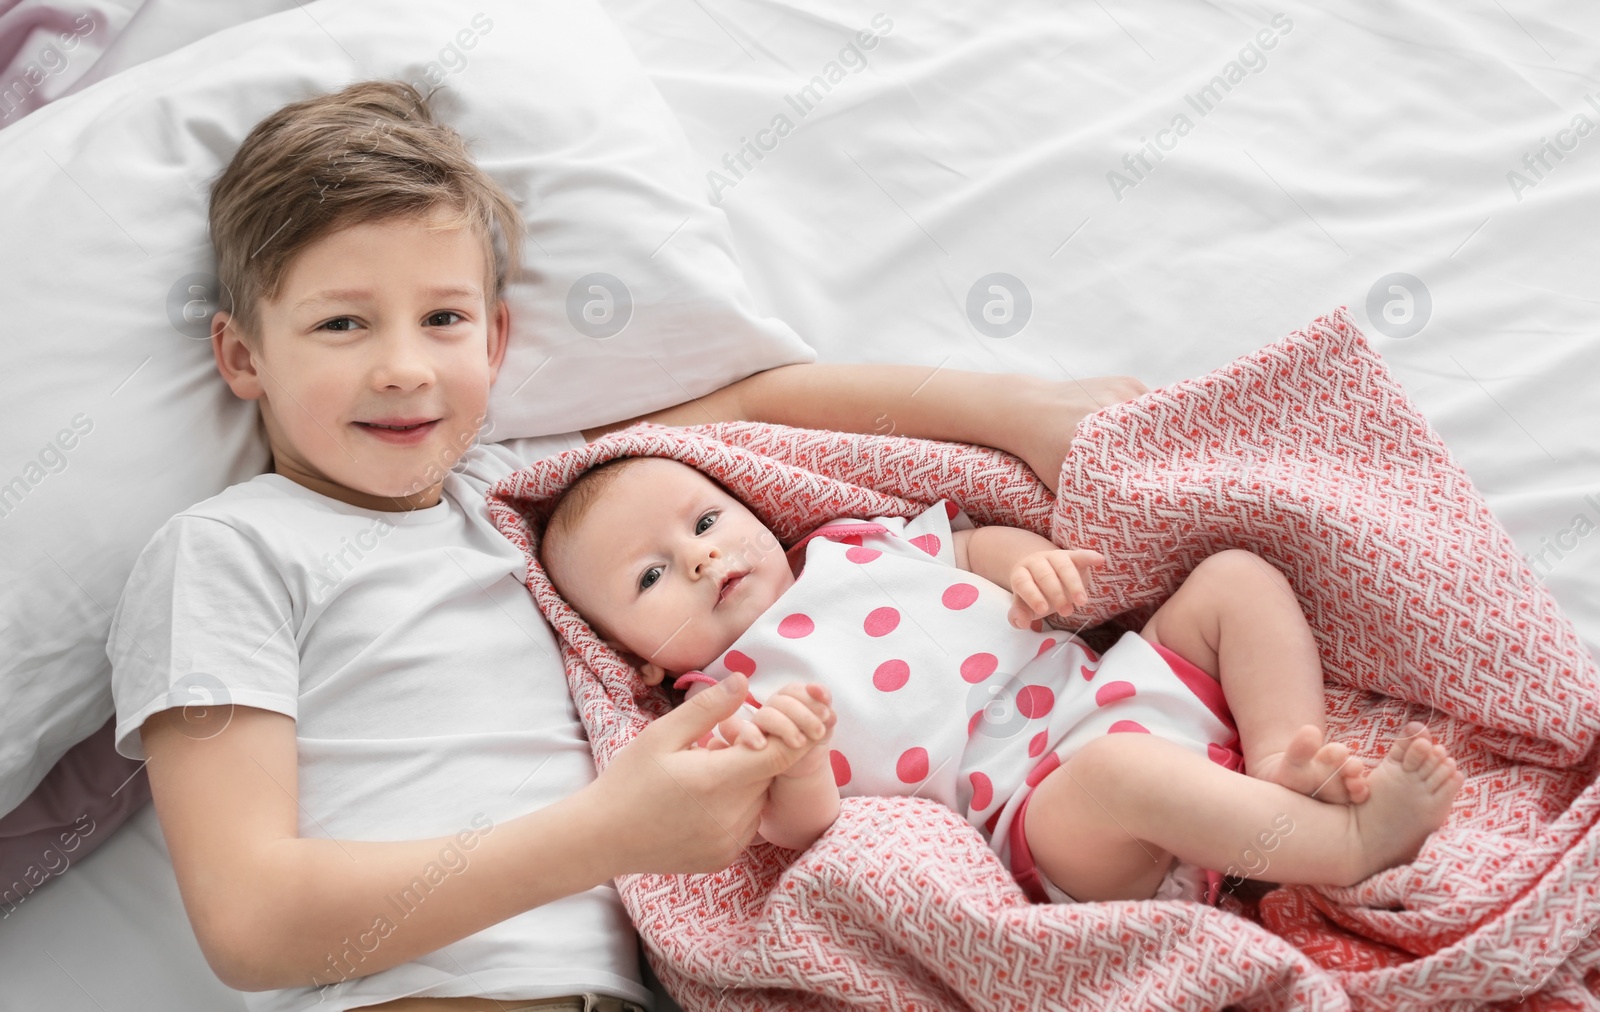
pixel 925 637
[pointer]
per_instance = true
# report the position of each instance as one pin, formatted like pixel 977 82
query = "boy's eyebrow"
pixel 362 294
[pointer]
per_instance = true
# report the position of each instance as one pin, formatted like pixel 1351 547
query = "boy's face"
pixel 649 566
pixel 374 362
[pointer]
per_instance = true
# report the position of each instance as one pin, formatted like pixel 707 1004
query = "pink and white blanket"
pixel 1306 452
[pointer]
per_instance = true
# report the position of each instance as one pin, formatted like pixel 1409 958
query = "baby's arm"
pixel 1044 578
pixel 804 800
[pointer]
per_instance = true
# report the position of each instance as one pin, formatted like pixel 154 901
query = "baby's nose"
pixel 711 552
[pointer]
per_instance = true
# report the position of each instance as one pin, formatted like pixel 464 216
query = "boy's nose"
pixel 402 363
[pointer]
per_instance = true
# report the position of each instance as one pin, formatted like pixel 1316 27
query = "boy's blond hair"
pixel 370 152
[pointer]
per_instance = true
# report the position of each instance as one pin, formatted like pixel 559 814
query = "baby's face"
pixel 670 567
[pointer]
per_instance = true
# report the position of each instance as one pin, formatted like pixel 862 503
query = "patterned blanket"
pixel 1306 452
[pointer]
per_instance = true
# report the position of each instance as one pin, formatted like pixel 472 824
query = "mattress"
pixel 1102 189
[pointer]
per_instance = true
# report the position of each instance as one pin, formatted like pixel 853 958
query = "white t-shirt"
pixel 427 691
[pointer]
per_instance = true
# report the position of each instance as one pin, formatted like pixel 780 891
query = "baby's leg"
pixel 1105 824
pixel 1237 619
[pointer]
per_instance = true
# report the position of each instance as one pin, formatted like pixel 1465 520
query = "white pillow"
pixel 114 416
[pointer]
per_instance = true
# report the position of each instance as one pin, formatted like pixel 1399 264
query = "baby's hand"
pixel 799 714
pixel 1050 581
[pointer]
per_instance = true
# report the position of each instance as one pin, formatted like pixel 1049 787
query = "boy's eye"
pixel 701 525
pixel 647 580
pixel 339 323
pixel 435 319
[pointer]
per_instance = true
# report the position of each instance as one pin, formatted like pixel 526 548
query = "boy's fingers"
pixel 750 765
pixel 690 722
pixel 737 729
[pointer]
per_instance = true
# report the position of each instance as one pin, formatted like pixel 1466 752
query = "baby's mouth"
pixel 729 585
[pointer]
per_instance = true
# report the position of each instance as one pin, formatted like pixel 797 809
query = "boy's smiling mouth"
pixel 399 431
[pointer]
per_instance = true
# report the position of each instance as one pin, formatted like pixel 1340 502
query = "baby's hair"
pixel 575 503
pixel 370 152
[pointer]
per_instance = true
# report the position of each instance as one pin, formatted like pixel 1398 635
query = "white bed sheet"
pixel 978 141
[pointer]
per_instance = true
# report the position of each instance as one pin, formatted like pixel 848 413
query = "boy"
pixel 388 801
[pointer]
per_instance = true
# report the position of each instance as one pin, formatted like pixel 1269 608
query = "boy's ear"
pixel 499 337
pixel 235 360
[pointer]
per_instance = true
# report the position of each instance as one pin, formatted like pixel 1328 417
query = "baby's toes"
pixel 1354 773
pixel 1444 771
pixel 1418 751
pixel 1333 755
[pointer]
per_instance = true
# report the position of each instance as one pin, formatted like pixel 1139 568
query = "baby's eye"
pixel 339 323
pixel 647 580
pixel 445 312
pixel 701 525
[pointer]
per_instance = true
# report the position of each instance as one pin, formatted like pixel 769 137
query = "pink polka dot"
pixel 1127 725
pixel 740 662
pixel 1086 671
pixel 978 667
pixel 959 595
pixel 862 555
pixel 841 767
pixel 1224 757
pixel 1112 691
pixel 982 791
pixel 927 542
pixel 950 509
pixel 913 765
pixel 1035 701
pixel 850 539
pixel 1046 645
pixel 1037 743
pixel 1046 766
pixel 881 621
pixel 1037 625
pixel 972 722
pixel 891 675
pixel 795 626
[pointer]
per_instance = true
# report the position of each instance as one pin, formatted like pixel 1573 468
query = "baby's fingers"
pixel 1027 600
pixel 791 719
pixel 1066 570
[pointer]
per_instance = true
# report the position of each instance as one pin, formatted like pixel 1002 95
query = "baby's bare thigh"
pixel 1074 834
pixel 1190 622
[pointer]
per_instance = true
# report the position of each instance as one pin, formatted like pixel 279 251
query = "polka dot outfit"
pixel 938 696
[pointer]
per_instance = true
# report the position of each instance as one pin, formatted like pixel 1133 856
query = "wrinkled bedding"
pixel 1307 452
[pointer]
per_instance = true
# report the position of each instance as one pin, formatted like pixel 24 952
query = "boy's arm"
pixel 273 910
pixel 1026 416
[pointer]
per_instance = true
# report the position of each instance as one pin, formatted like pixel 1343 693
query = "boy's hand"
pixel 662 805
pixel 798 714
pixel 1051 581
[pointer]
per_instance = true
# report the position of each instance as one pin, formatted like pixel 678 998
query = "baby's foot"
pixel 1411 791
pixel 1327 772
